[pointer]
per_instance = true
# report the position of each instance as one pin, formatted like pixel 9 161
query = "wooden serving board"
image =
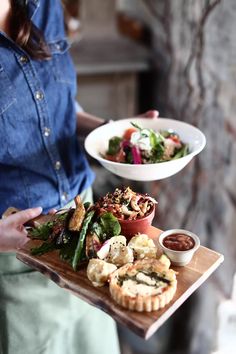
pixel 190 277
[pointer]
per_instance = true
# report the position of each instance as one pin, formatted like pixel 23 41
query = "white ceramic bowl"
pixel 96 144
pixel 179 258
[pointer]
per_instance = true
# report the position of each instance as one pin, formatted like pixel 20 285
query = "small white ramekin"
pixel 179 258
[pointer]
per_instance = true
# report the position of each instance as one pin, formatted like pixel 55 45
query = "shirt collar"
pixel 33 6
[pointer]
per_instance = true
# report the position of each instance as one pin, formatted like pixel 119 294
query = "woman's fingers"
pixel 150 114
pixel 12 232
pixel 52 211
pixel 21 217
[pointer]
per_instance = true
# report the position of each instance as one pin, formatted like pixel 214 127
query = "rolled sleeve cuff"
pixel 78 107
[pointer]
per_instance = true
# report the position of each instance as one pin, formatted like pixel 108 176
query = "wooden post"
pixel 98 18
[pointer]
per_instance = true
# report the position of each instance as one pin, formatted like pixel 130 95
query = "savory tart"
pixel 145 285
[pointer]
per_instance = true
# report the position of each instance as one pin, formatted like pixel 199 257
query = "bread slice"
pixel 145 285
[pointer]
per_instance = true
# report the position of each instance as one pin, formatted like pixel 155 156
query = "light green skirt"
pixel 38 317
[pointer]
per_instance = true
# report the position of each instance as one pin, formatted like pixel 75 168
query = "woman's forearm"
pixel 87 122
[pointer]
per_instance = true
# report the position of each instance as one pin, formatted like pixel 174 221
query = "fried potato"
pixel 77 218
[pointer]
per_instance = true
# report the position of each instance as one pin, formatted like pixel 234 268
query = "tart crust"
pixel 145 294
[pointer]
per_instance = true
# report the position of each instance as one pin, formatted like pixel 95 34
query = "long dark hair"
pixel 25 33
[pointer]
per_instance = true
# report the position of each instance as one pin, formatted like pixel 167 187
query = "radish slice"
pixel 136 155
pixel 104 250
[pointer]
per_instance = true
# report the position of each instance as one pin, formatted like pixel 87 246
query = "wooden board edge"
pixel 140 331
pixel 153 328
pixel 213 251
pixel 65 284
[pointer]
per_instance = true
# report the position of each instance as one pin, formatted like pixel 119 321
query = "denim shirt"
pixel 41 162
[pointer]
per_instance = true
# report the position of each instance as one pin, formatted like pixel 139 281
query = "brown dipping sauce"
pixel 179 242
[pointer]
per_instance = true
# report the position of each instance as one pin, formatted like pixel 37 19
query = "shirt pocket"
pixel 61 62
pixel 7 91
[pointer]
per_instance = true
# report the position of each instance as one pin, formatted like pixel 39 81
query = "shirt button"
pixel 47 131
pixel 23 59
pixel 39 95
pixel 57 46
pixel 57 165
pixel 64 196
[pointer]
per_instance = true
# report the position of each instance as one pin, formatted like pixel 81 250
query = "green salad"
pixel 145 146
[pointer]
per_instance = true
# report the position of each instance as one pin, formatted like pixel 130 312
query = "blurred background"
pixel 177 56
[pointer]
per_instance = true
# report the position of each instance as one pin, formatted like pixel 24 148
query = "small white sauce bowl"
pixel 179 258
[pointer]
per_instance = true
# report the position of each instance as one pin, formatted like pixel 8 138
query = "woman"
pixel 41 163
pixel 12 232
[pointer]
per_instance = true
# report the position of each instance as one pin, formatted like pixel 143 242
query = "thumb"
pixel 150 114
pixel 23 216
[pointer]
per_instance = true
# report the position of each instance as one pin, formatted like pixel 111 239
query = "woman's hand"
pixel 87 122
pixel 12 231
pixel 150 114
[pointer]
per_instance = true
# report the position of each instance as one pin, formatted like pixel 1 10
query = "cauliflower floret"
pixel 115 251
pixel 106 247
pixel 143 246
pixel 120 255
pixel 98 271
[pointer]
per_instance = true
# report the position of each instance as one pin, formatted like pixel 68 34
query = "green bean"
pixel 82 235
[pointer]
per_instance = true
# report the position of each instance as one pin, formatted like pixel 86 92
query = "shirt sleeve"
pixel 78 107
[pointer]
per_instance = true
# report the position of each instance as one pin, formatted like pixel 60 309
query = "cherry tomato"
pixel 128 133
pixel 118 157
pixel 175 138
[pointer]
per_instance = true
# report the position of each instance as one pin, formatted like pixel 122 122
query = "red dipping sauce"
pixel 179 242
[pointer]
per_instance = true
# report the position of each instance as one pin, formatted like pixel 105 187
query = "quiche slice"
pixel 146 285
